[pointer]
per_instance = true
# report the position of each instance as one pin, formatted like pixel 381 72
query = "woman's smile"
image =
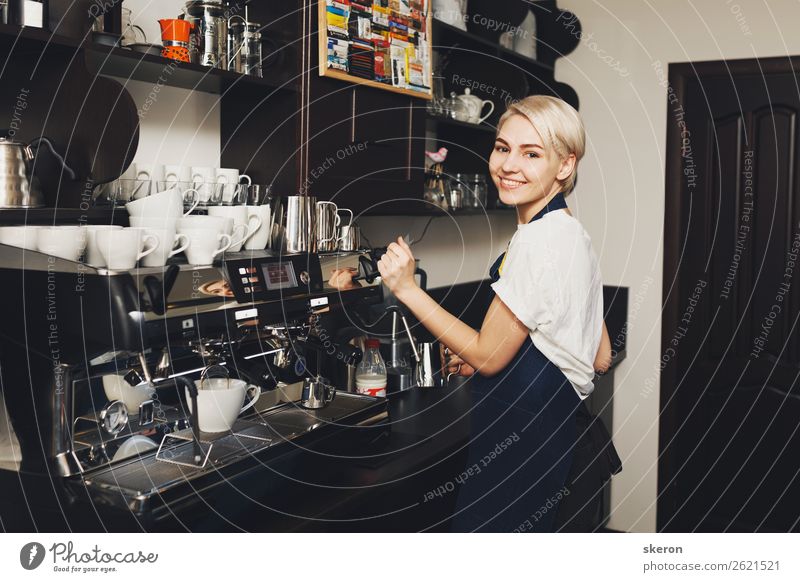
pixel 510 184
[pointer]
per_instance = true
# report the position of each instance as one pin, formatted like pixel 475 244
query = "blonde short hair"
pixel 559 125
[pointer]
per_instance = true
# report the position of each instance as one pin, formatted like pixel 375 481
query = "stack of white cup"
pixel 157 215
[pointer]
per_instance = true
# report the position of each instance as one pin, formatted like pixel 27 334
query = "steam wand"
pixel 190 387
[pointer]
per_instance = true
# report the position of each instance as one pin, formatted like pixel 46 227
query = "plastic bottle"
pixel 371 372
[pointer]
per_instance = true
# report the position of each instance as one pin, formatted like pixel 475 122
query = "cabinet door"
pixel 366 146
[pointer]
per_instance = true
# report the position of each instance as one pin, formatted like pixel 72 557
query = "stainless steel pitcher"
pixel 426 369
pixel 327 227
pixel 317 393
pixel 300 228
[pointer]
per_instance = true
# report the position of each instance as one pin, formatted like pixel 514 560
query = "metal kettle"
pixel 19 188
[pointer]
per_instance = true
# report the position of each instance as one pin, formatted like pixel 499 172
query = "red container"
pixel 175 30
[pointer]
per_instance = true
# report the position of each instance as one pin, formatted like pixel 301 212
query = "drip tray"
pixel 174 462
pixel 138 482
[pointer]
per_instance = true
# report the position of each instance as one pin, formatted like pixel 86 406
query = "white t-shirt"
pixel 551 282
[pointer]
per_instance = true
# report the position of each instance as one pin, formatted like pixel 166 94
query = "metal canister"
pixel 244 46
pixel 210 36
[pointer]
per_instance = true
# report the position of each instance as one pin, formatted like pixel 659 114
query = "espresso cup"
pixel 220 401
pixel 148 173
pixel 122 248
pixel 65 242
pixel 260 238
pixel 242 221
pixel 93 255
pixel 176 174
pixel 169 245
pixel 228 179
pixel 205 244
pixel 204 180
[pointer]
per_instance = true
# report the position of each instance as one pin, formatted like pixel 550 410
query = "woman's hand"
pixel 342 279
pixel 453 364
pixel 397 268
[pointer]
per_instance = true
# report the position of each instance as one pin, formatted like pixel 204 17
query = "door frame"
pixel 679 75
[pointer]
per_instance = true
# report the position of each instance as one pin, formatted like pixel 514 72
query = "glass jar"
pixel 475 190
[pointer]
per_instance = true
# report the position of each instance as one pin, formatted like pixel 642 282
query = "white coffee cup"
pixel 168 203
pixel 122 248
pixel 93 255
pixel 116 388
pixel 260 238
pixel 157 222
pixel 167 242
pixel 23 237
pixel 205 244
pixel 66 242
pixel 220 223
pixel 241 221
pixel 230 178
pixel 204 180
pixel 176 174
pixel 220 401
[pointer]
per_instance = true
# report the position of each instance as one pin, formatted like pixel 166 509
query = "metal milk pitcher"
pixel 425 375
pixel 301 217
pixel 327 227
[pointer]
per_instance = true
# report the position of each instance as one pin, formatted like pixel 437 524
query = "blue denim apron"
pixel 521 440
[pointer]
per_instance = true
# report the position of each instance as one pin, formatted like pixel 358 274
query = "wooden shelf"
pixel 447 36
pixel 122 62
pixel 446 121
pixel 342 76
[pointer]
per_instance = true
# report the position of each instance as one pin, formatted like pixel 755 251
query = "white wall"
pixel 620 196
pixel 177 126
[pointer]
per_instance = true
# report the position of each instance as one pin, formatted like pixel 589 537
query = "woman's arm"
pixel 602 361
pixel 488 350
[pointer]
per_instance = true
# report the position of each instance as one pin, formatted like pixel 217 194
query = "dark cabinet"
pixel 364 146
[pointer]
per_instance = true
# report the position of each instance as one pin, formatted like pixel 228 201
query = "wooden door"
pixel 730 396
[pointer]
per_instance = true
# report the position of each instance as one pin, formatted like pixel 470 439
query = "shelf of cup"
pixel 121 191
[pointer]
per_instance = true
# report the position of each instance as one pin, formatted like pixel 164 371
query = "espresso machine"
pixel 98 372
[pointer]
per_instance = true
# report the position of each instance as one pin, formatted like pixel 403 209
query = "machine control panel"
pixel 274 277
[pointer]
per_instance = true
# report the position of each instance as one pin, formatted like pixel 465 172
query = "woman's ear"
pixel 567 167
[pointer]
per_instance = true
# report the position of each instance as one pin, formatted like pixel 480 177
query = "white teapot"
pixel 475 106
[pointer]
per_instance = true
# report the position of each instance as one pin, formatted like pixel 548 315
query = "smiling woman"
pixel 543 335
